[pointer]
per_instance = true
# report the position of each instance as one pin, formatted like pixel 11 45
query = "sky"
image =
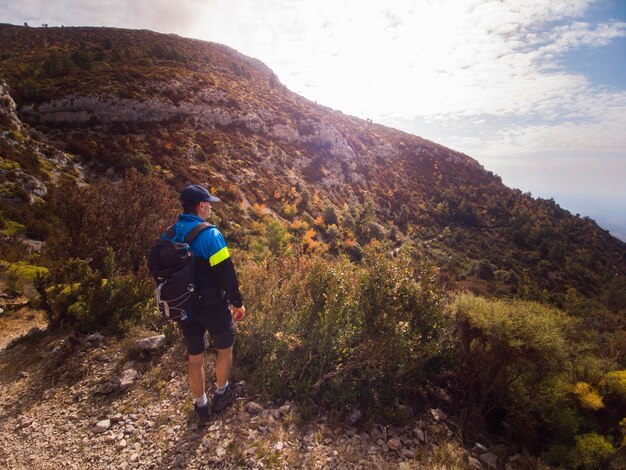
pixel 535 90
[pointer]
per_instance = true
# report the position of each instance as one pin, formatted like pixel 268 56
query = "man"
pixel 216 288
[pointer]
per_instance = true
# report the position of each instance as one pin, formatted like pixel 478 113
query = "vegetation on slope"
pixel 484 236
pixel 375 244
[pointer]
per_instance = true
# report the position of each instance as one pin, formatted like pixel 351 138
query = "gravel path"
pixel 62 406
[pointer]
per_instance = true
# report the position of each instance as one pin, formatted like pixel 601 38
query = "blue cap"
pixel 194 194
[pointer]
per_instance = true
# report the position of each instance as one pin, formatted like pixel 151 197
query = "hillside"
pixel 97 101
pixel 403 304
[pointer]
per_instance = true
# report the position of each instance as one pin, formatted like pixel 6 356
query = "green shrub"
pixel 592 451
pixel 616 384
pixel 12 228
pixel 339 334
pixel 588 397
pixel 26 271
pixel 138 161
pixel 557 454
pixel 510 353
pixel 96 299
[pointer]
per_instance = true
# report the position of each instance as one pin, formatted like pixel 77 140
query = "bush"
pixel 12 229
pixel 510 353
pixel 616 384
pixel 337 334
pixel 126 217
pixel 330 216
pixel 92 299
pixel 485 270
pixel 592 451
pixel 26 271
pixel 97 257
pixel 588 397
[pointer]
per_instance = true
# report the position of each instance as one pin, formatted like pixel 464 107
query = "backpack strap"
pixel 194 232
pixel 170 232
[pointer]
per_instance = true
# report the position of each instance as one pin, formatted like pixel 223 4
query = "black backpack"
pixel 173 267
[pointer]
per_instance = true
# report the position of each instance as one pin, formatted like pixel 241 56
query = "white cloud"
pixel 483 76
pixel 404 59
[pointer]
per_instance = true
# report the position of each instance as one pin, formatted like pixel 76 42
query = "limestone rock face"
pixel 7 108
pixel 82 109
pixel 284 133
pixel 18 180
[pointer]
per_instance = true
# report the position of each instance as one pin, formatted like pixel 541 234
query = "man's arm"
pixel 213 248
pixel 227 280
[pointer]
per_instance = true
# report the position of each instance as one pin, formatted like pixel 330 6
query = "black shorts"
pixel 217 320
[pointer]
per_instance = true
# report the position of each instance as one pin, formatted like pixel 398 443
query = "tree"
pixel 330 216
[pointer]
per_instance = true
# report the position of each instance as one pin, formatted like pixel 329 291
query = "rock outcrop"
pixel 28 165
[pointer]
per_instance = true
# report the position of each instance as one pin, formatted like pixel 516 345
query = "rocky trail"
pixel 77 401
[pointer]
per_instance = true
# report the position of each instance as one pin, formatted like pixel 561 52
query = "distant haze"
pixel 535 90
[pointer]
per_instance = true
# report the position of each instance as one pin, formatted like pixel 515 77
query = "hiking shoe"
pixel 224 400
pixel 202 412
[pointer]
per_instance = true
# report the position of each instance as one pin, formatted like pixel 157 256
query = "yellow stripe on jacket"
pixel 220 256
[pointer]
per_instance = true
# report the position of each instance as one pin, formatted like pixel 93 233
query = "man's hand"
pixel 238 312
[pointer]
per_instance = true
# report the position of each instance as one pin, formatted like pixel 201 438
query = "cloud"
pixel 458 59
pixel 484 76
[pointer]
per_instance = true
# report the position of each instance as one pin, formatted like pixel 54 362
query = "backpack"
pixel 173 267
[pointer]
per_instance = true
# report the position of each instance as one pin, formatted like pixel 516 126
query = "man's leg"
pixel 225 392
pixel 223 363
pixel 196 374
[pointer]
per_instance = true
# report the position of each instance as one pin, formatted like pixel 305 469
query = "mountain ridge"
pixel 191 110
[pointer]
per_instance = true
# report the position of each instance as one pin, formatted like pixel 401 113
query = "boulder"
pixel 95 338
pixel 394 444
pixel 253 408
pixel 8 108
pixel 419 434
pixel 110 387
pixel 14 303
pixel 150 344
pixel 24 422
pixel 102 426
pixel 490 459
pixel 478 449
pixel 376 433
pixel 127 378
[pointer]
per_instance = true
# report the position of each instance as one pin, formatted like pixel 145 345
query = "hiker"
pixel 219 301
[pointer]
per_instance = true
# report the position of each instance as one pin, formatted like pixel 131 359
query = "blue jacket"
pixel 215 267
pixel 210 244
